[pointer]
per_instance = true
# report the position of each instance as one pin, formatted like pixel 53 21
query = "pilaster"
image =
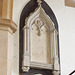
pixel 56 58
pixel 7 28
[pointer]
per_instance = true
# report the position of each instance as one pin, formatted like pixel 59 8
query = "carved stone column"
pixel 7 28
pixel 56 59
pixel 26 60
pixel 52 45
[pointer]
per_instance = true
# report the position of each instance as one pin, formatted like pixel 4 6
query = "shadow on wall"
pixel 72 73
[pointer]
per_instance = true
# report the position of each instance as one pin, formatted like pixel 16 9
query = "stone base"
pixel 55 72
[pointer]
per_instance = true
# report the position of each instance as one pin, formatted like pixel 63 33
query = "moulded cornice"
pixel 8 23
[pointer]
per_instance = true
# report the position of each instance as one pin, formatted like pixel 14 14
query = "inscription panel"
pixel 40 44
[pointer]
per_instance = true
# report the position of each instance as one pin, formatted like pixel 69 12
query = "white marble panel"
pixel 40 46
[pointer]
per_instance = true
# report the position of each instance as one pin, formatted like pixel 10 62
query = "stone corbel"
pixel 26 59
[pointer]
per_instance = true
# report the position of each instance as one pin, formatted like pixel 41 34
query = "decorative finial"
pixel 39 2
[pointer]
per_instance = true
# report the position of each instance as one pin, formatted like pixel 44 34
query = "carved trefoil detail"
pixel 39 23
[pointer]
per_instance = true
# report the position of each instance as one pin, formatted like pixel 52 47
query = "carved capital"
pixel 8 25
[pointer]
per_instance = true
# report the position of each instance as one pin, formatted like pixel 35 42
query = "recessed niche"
pixel 38 39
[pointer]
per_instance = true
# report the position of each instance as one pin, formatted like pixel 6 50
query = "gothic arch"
pixel 27 18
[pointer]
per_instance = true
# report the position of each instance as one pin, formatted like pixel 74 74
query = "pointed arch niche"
pixel 39 39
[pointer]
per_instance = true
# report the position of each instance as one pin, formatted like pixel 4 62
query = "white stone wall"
pixel 66 20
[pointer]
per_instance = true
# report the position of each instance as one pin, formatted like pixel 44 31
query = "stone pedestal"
pixel 7 28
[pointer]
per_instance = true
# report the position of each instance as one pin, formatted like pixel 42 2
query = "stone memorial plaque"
pixel 39 42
